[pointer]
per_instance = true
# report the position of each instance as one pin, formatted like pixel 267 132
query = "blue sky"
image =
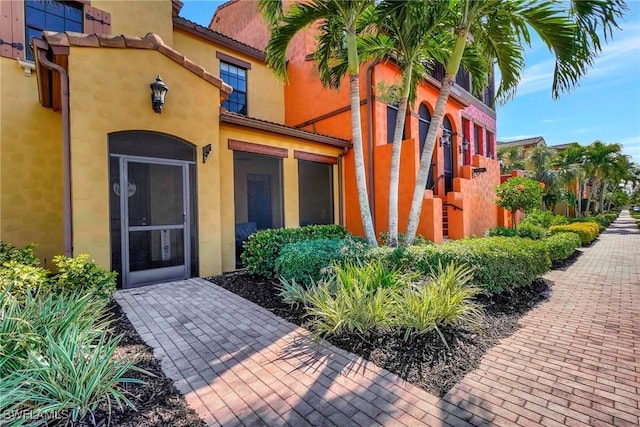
pixel 605 107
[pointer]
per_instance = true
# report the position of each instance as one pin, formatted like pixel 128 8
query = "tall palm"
pixel 511 158
pixel 539 164
pixel 614 174
pixel 408 34
pixel 569 165
pixel 600 158
pixel 340 22
pixel 498 29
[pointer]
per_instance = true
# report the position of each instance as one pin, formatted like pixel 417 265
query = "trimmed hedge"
pixel 263 247
pixel 587 231
pixel 562 245
pixel 499 263
pixel 308 261
pixel 544 218
pixel 532 231
pixel 502 231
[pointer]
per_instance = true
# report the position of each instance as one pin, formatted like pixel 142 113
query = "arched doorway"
pixel 152 181
pixel 447 147
pixel 424 121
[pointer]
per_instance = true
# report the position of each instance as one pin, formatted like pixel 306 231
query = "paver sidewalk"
pixel 575 361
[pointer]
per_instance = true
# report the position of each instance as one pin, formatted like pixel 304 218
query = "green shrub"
pixel 605 219
pixel 445 299
pixel 25 324
pixel 499 263
pixel 502 231
pixel 531 231
pixel 21 280
pixel 544 219
pixel 308 261
pixel 588 231
pixel 418 240
pixel 562 245
pixel 80 274
pixel 25 255
pixel 356 299
pixel 363 298
pixel 263 247
pixel 56 358
pixel 589 219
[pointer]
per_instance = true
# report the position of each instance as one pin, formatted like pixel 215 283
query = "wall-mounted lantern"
pixel 445 139
pixel 158 91
pixel 464 147
pixel 206 150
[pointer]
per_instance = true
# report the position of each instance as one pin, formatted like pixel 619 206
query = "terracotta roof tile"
pixel 150 41
pixel 523 142
pixel 216 37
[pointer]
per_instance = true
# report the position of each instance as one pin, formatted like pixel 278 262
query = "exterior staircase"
pixel 445 221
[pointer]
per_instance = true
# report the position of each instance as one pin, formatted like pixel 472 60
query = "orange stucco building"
pixel 459 198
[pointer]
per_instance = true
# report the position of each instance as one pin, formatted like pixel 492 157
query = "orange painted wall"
pixel 430 226
pixel 476 196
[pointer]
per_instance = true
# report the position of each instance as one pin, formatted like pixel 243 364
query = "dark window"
pixel 424 121
pixel 465 140
pixel 49 15
pixel 447 151
pixel 392 116
pixel 315 188
pixel 476 139
pixel 236 77
pixel 487 144
pixel 463 79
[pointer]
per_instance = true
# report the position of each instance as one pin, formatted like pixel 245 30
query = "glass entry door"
pixel 154 202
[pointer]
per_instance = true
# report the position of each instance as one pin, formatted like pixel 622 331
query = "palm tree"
pixel 339 24
pixel 497 29
pixel 600 159
pixel 539 165
pixel 569 166
pixel 511 158
pixel 408 34
pixel 614 174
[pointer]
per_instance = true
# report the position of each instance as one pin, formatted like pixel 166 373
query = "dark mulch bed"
pixel 158 402
pixel 424 361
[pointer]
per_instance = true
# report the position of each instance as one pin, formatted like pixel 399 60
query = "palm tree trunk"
pixel 356 128
pixel 603 189
pixel 430 142
pixel 394 178
pixel 579 199
pixel 586 211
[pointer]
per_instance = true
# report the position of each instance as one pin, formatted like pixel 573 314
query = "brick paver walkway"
pixel 574 362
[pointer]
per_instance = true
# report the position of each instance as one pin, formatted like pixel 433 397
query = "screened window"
pixel 236 77
pixel 315 186
pixel 49 15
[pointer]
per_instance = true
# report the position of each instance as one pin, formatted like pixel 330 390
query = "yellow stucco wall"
pixel 110 92
pixel 30 165
pixel 265 93
pixel 289 178
pixel 139 17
